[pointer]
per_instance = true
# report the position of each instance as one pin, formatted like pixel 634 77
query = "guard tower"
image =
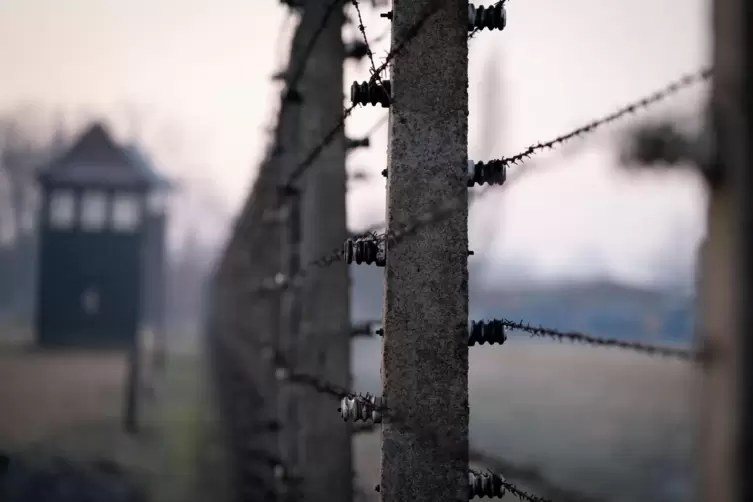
pixel 102 240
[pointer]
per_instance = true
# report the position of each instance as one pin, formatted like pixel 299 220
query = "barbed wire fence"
pixel 274 432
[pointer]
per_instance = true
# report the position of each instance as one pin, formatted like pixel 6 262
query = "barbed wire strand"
pixel 527 474
pixel 450 204
pixel 241 352
pixel 323 386
pixel 316 151
pixel 510 487
pixel 328 388
pixel 241 355
pixel 579 337
pixel 369 52
pixel 248 460
pixel 587 339
pixel 669 90
pixel 522 495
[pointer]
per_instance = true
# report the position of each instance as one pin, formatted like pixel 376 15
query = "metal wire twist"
pixel 369 52
pixel 452 203
pixel 578 337
pixel 669 90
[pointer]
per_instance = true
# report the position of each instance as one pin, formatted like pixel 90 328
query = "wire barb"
pixel 522 495
pixel 578 337
pixel 369 52
pixel 669 90
pixel 318 384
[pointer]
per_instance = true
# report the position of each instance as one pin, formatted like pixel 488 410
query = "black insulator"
pixel 367 250
pixel 370 92
pixel 493 172
pixel 491 332
pixel 361 408
pixel 485 485
pixel 493 17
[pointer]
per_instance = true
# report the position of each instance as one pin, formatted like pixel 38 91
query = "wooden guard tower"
pixel 102 245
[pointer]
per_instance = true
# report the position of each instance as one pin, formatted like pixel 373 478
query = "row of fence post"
pixel 302 324
pixel 425 352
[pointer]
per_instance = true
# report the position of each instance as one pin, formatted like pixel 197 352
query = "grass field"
pixel 69 404
pixel 610 425
pixel 47 394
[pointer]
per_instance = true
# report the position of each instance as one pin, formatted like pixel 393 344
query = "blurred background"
pixel 600 235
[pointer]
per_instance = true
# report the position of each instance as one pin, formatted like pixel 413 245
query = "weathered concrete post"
pixel 726 312
pixel 287 153
pixel 324 339
pixel 425 347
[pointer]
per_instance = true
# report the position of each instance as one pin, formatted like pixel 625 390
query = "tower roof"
pixel 96 159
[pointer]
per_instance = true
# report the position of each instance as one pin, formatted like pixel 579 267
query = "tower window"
pixel 62 209
pixel 126 212
pixel 93 211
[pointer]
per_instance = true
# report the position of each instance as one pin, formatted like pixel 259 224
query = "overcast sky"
pixel 195 75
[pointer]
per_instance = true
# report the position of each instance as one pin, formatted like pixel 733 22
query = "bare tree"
pixel 28 140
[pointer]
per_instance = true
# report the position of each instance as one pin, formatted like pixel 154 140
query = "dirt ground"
pixel 609 425
pixel 46 394
pixel 62 411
